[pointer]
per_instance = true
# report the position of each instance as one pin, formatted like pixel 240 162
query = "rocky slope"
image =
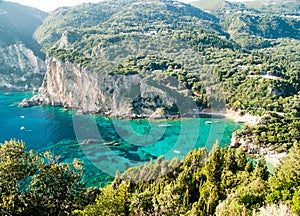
pixel 20 68
pixel 22 65
pixel 120 63
pixel 67 84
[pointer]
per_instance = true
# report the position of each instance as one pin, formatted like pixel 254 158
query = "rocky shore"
pixel 43 100
pixel 271 156
pixel 159 113
pixel 246 143
pixel 37 100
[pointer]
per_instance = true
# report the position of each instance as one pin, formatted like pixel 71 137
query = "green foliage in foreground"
pixel 35 184
pixel 285 185
pixel 222 182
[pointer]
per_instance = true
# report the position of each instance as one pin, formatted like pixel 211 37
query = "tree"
pixel 285 183
pixel 113 200
pixel 241 159
pixel 210 191
pixel 16 165
pixel 261 170
pixel 56 188
pixel 214 165
pixel 35 184
pixel 230 161
pixel 296 202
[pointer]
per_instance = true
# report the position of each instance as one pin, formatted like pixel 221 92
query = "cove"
pixel 106 145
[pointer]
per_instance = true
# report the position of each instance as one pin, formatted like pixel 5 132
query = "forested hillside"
pixel 214 57
pixel 246 50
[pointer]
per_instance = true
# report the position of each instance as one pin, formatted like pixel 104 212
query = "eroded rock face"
pixel 68 85
pixel 246 143
pixel 20 68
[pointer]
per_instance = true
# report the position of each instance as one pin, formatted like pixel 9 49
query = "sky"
pixel 50 5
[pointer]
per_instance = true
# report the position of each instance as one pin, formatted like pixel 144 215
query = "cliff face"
pixel 67 84
pixel 20 68
pixel 22 64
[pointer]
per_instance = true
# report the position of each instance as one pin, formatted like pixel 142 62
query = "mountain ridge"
pixel 163 38
pixel 110 13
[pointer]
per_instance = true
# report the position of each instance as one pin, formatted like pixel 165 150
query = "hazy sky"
pixel 49 5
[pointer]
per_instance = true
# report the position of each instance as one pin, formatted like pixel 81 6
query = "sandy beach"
pixel 246 118
pixel 230 114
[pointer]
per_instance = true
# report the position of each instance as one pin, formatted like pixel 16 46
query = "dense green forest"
pixel 221 182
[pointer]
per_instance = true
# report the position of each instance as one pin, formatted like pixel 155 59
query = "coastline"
pixel 248 119
pixel 251 120
pixel 271 157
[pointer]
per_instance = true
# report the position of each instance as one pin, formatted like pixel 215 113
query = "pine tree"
pixel 214 165
pixel 261 170
pixel 241 159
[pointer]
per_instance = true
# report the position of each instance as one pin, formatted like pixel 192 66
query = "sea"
pixel 103 144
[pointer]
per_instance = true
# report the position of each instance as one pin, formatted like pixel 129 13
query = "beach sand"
pixel 235 116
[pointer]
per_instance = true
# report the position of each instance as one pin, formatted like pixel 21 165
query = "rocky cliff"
pixel 22 64
pixel 112 59
pixel 67 84
pixel 20 68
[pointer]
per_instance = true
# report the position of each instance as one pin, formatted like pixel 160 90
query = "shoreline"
pixel 41 100
pixel 271 158
pixel 229 114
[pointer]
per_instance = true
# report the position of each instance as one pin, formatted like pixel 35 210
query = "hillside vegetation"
pixel 222 182
pixel 218 58
pixel 22 64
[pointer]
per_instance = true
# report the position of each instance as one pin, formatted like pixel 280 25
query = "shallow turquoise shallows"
pixel 106 145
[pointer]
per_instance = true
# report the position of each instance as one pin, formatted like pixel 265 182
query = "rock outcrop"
pixel 246 143
pixel 71 86
pixel 21 69
pixel 22 64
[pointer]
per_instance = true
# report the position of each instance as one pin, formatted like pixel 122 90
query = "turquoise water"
pixel 106 145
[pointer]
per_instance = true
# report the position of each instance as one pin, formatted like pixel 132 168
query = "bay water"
pixel 106 145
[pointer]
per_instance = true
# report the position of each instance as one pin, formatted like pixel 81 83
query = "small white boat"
pixel 22 117
pixel 22 128
pixel 164 125
pixel 208 122
pixel 176 152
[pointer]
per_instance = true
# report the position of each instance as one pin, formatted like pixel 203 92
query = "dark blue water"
pixel 106 145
